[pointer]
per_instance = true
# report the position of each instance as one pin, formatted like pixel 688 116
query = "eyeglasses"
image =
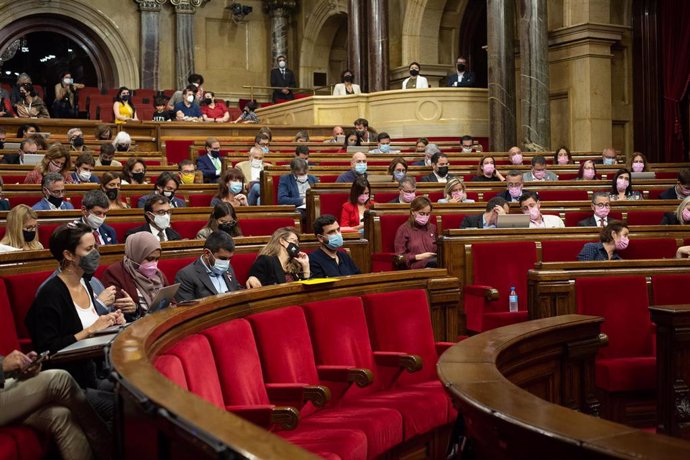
pixel 514 184
pixel 602 205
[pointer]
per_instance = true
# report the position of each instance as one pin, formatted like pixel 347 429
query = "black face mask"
pixel 121 147
pixel 442 171
pixel 215 153
pixel 124 98
pixel 2 144
pixel 292 250
pixel 106 162
pixel 348 78
pixel 414 72
pixel 78 141
pixel 139 177
pixel 55 201
pixel 208 101
pixel 227 228
pixel 461 67
pixel 111 193
pixel 29 235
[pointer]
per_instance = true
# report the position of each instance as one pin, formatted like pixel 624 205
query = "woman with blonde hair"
pixel 681 216
pixel 21 230
pixel 280 261
pixel 55 160
pixel 455 192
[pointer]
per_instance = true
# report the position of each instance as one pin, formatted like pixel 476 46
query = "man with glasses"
pixel 601 205
pixel 53 186
pixel 26 146
pixel 514 185
pixel 408 191
pixel 538 171
pixel 682 188
pixel 166 185
pixel 157 212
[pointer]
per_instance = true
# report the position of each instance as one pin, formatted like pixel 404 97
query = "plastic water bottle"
pixel 513 300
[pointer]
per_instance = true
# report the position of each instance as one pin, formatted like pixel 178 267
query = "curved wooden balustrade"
pixel 156 417
pixel 509 381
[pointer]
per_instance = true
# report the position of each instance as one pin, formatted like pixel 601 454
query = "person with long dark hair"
pixel 123 109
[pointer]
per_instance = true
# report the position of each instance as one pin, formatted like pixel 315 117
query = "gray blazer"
pixel 195 282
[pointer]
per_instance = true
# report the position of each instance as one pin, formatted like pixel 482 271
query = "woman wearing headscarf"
pixel 137 274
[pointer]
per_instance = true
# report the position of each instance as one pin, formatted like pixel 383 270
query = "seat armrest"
pixel 489 293
pixel 411 363
pixel 285 416
pixel 297 393
pixel 361 377
pixel 442 347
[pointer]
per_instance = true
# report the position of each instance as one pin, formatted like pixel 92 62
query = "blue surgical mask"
pixel 399 175
pixel 335 241
pixel 609 161
pixel 385 148
pixel 220 266
pixel 264 149
pixel 361 168
pixel 235 187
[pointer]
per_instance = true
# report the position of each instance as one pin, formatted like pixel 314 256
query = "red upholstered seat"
pixel 22 443
pixel 261 226
pixel 498 265
pixel 669 289
pixel 44 232
pixel 561 250
pixel 340 336
pixel 177 150
pixel 623 302
pixel 241 263
pixel 122 227
pixel 383 261
pixel 200 200
pixel 171 367
pixel 8 448
pixel 645 217
pixel 650 248
pixel 385 197
pixel 449 221
pixel 170 267
pixel 563 195
pixel 21 290
pixel 8 331
pixel 332 203
pixel 188 228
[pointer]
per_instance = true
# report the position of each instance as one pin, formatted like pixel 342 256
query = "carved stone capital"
pixel 150 5
pixel 279 7
pixel 187 6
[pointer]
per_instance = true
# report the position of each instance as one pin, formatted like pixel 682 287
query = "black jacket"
pixel 171 234
pixel 473 221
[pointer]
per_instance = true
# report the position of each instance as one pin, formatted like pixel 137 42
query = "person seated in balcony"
pixel 134 172
pixel 210 274
pixel 495 207
pixel 83 170
pixel 515 156
pixel 188 174
pixel 397 169
pixel 352 213
pixel 161 112
pixel 66 98
pixel 195 83
pixel 248 114
pixel 514 184
pixel 562 156
pixel 487 172
pixel 682 188
pixel 212 110
pixel 462 77
pixel 292 188
pixel 455 192
pixel 188 109
pixel 587 171
pixel 166 185
pixel 347 85
pixel 280 261
pixel 531 206
pixel 407 189
pixel 106 157
pixel 440 165
pixel 538 173
pixel 53 187
pixel 157 212
pixel 110 185
pixel 415 80
pixel 21 229
pixel 415 240
pixel 56 160
pixel 638 163
pixel 358 168
pixel 231 189
pixel 601 206
pixel 137 273
pixel 681 216
pixel 75 137
pixel 14 94
pixel 123 109
pixel 621 187
pixel 30 105
pixel 25 146
pixel 327 261
pixel 222 219
pixel 613 238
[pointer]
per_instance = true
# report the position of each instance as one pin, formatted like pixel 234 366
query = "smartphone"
pixel 39 359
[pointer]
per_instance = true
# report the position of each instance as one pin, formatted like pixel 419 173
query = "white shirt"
pixel 155 232
pixel 87 315
pixel 255 172
pixel 548 221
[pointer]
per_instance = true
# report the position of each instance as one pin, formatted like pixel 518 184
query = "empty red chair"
pixel 563 195
pixel 21 290
pixel 645 217
pixel 170 267
pixel 650 248
pixel 496 267
pixel 44 232
pixel 383 261
pixel 449 221
pixel 561 250
pixel 670 289
pixel 264 226
pixel 189 228
pixel 122 227
pixel 331 203
pixel 171 367
pixel 8 331
pixel 200 200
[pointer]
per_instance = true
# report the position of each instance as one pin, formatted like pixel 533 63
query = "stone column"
pixel 149 11
pixel 377 25
pixel 279 11
pixel 500 33
pixel 355 44
pixel 184 45
pixel 534 76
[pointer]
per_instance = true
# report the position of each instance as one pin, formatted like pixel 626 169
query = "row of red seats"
pixel 249 366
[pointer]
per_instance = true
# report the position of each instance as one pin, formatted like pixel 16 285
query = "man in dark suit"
pixel 26 146
pixel 166 185
pixel 211 273
pixel 681 189
pixel 440 165
pixel 494 207
pixel 283 78
pixel 210 164
pixel 292 188
pixel 601 205
pixel 609 157
pixel 462 78
pixel 157 214
pixel 94 209
pixel 408 191
pixel 514 185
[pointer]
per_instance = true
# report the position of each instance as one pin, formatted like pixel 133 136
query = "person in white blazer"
pixel 346 87
pixel 415 80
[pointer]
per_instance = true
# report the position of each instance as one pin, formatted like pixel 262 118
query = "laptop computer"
pixel 33 158
pixel 512 221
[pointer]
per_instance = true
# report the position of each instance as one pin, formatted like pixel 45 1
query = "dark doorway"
pixel 473 40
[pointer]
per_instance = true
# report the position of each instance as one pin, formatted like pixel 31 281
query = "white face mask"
pixel 94 221
pixel 282 64
pixel 162 222
pixel 190 98
pixel 85 175
pixel 257 163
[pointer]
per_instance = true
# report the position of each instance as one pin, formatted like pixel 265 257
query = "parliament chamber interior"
pixel 344 229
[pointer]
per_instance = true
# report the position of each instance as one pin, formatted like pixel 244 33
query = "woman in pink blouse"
pixel 415 240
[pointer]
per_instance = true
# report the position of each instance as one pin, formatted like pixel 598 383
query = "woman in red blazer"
pixel 352 213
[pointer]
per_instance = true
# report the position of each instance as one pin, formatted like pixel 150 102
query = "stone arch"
pixel 320 28
pixel 115 62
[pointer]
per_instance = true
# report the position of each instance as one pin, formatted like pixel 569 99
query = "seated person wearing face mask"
pixel 494 207
pixel 601 205
pixel 682 188
pixel 327 261
pixel 222 219
pixel 210 274
pixel 429 151
pixel 53 186
pixel 106 155
pixel 280 261
pixel 292 188
pixel 94 209
pixel 415 240
pixel 538 171
pixel 608 157
pixel 157 213
pixel 166 185
pixel 188 109
pixel 358 168
pixel 514 185
pixel 21 229
pixel 439 164
pixel 83 173
pixel 122 142
pixel 210 164
pixel 515 156
pixel 188 174
pixel 384 146
pixel 76 139
pixel 613 238
pixel 408 191
pixel 531 206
